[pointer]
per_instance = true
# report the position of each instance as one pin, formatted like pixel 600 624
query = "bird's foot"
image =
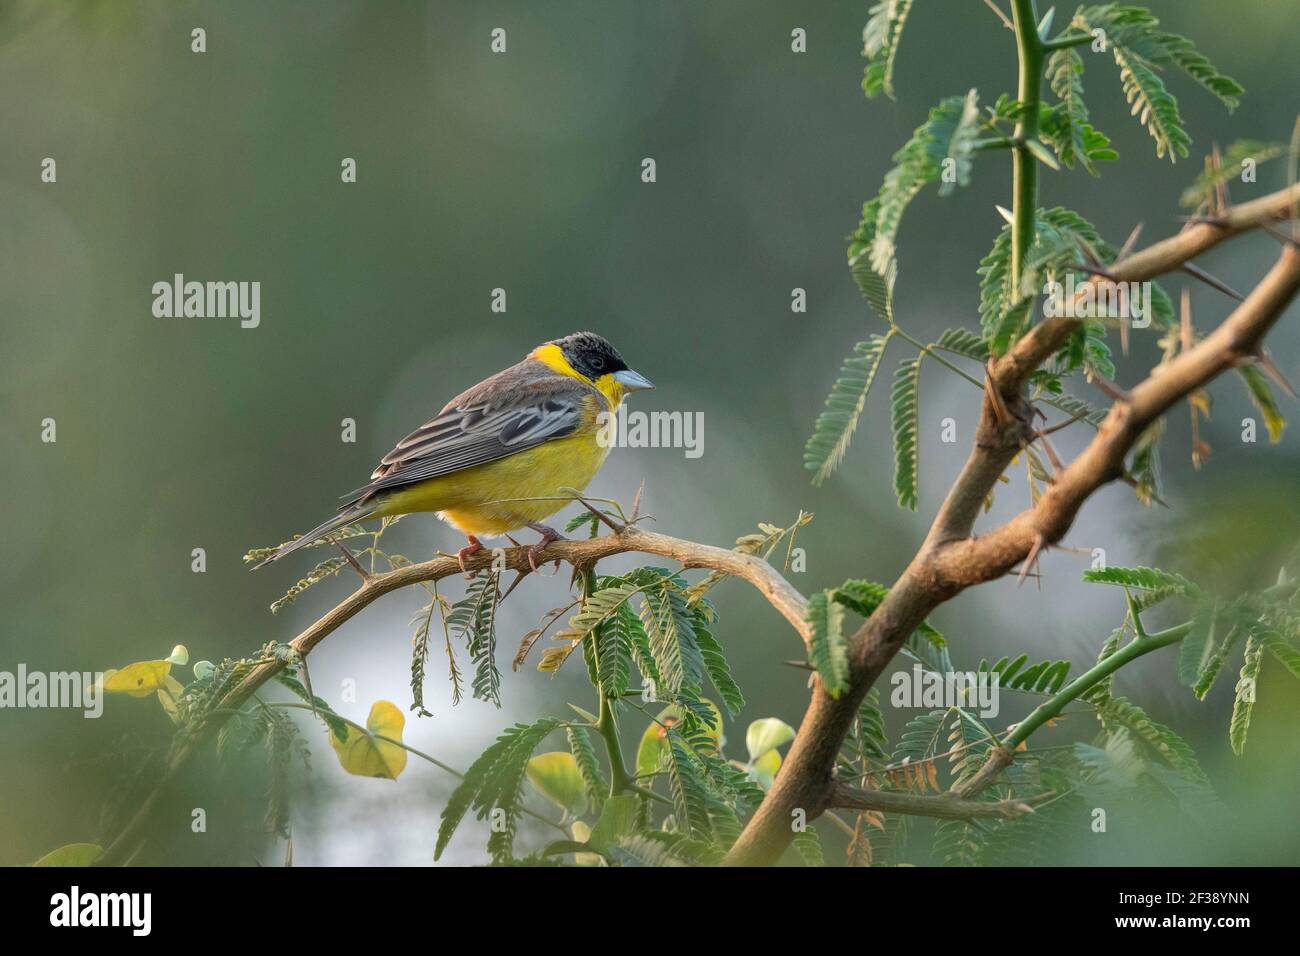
pixel 474 547
pixel 548 535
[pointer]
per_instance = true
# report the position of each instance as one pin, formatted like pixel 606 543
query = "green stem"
pixel 1025 168
pixel 606 724
pixel 1085 682
pixel 608 728
pixel 647 792
pixel 929 350
pixel 1065 42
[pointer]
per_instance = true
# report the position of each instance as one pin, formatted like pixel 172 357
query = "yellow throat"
pixel 553 358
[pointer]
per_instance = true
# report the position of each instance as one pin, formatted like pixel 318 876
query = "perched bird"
pixel 497 456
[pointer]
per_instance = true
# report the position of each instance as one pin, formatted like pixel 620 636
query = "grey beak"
pixel 632 381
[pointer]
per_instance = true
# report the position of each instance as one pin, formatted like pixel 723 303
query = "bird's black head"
pixel 590 354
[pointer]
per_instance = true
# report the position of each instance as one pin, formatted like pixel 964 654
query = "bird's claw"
pixel 474 547
pixel 548 535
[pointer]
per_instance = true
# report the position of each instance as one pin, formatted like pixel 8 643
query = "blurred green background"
pixel 522 171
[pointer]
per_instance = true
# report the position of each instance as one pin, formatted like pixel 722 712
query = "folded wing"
pixel 504 415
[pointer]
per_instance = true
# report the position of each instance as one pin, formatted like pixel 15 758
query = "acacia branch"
pixel 999 439
pixel 958 564
pixel 1161 258
pixel 580 554
pixel 950 559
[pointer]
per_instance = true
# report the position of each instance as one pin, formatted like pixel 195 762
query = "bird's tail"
pixel 318 532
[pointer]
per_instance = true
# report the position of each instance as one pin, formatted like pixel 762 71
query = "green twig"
pixel 1002 755
pixel 995 142
pixel 1025 168
pixel 1051 707
pixel 930 351
pixel 1065 41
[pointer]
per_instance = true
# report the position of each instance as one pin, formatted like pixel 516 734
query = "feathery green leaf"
pixel 1140 48
pixel 1172 748
pixel 1261 394
pixel 614 651
pixel 1145 579
pixel 585 756
pixel 1145 466
pixel 473 619
pixel 1074 406
pixel 1279 648
pixel 494 782
pixel 1195 649
pixel 963 342
pixel 1244 701
pixel 880 45
pixel 828 649
pixel 834 429
pixel 947 133
pixel 686 784
pixel 904 400
pixel 876 285
pixel 960 133
pixel 1230 167
pixel 715 664
pixel 809 846
pixel 1065 126
pixel 670 625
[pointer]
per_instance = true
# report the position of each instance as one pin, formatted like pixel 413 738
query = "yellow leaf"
pixel 557 776
pixel 933 773
pixel 765 767
pixel 138 680
pixel 363 754
pixel 766 734
pixel 654 742
pixel 581 834
pixel 74 854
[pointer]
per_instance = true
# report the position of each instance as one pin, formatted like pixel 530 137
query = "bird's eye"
pixel 598 363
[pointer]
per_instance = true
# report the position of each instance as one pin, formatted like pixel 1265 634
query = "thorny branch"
pixel 952 558
pixel 580 554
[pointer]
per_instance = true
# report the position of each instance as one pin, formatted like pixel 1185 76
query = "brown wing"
pixel 514 410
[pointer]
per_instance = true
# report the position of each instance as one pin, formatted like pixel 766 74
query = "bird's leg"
pixel 474 547
pixel 548 535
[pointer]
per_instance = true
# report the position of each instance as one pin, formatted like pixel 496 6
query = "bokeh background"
pixel 522 171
